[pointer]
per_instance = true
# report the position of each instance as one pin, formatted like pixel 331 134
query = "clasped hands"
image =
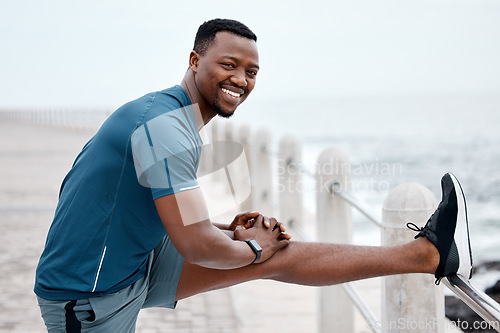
pixel 268 232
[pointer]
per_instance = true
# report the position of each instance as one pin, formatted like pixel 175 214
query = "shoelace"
pixel 412 226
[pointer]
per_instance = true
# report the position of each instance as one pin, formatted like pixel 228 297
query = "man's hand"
pixel 185 218
pixel 247 221
pixel 269 237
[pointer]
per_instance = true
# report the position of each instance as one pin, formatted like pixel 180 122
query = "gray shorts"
pixel 117 312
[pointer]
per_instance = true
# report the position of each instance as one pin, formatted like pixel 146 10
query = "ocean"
pixel 390 141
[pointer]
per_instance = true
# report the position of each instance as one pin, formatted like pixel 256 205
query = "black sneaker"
pixel 448 230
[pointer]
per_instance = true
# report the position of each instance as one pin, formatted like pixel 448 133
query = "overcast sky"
pixel 103 53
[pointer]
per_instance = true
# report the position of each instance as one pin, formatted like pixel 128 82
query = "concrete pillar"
pixel 410 302
pixel 290 181
pixel 263 194
pixel 229 131
pixel 217 151
pixel 334 220
pixel 245 139
pixel 237 167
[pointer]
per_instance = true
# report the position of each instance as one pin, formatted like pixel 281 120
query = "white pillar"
pixel 217 151
pixel 410 302
pixel 244 138
pixel 263 194
pixel 290 181
pixel 334 220
pixel 237 167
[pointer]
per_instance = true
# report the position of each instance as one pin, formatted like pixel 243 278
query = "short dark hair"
pixel 205 36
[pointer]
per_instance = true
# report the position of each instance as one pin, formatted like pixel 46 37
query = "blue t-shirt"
pixel 106 223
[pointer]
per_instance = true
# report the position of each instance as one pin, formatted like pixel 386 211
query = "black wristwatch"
pixel 255 248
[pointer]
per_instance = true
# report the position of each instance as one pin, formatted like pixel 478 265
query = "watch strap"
pixel 255 248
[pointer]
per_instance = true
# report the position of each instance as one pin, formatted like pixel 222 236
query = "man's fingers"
pixel 279 225
pixel 248 216
pixel 248 224
pixel 239 216
pixel 244 217
pixel 258 221
pixel 274 223
pixel 285 236
pixel 267 223
pixel 251 215
pixel 276 226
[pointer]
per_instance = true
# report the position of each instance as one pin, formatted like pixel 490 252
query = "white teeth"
pixel 229 92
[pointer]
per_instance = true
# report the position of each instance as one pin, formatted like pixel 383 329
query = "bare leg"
pixel 317 264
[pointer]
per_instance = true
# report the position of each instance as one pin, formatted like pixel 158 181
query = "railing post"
pixel 237 167
pixel 410 302
pixel 244 139
pixel 262 164
pixel 290 181
pixel 228 131
pixel 227 158
pixel 334 220
pixel 218 153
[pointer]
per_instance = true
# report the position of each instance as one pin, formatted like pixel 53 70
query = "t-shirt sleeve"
pixel 166 154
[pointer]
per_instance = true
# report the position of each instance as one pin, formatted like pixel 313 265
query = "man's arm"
pixel 188 225
pixel 224 228
pixel 221 226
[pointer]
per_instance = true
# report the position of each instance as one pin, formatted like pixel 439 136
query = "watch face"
pixel 256 247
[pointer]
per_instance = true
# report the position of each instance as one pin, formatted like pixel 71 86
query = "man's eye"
pixel 252 73
pixel 228 65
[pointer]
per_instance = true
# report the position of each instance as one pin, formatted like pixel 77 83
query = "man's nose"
pixel 239 78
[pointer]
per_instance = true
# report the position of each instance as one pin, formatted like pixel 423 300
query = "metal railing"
pixel 475 299
pixel 478 301
pixel 359 205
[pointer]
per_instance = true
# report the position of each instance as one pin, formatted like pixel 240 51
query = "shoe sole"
pixel 461 237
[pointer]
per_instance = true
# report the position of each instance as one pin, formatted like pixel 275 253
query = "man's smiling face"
pixel 226 72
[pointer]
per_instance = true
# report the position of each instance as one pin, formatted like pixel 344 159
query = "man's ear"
pixel 194 59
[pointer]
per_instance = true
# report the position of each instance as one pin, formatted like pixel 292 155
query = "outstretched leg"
pixel 443 249
pixel 316 264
